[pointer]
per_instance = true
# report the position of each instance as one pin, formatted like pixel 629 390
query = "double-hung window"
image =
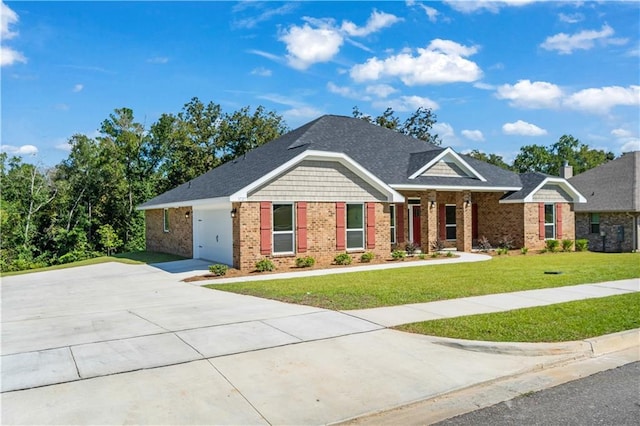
pixel 392 220
pixel 165 220
pixel 283 235
pixel 549 221
pixel 450 222
pixel 594 222
pixel 355 226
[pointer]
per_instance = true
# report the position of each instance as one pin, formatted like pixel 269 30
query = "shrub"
pixel 567 245
pixel 435 254
pixel 305 262
pixel 218 269
pixel 265 265
pixel 483 244
pixel 524 250
pixel 398 254
pixel 422 256
pixel 437 245
pixel 582 245
pixel 343 259
pixel 367 257
pixel 506 242
pixel 410 248
pixel 552 245
pixel 502 250
pixel 449 254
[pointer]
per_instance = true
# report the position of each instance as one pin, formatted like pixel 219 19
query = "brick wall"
pixel 321 236
pixel 178 240
pixel 609 223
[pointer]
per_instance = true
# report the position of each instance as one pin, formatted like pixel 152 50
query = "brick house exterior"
pixel 610 219
pixel 341 185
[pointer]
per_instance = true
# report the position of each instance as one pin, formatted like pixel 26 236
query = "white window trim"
pixel 292 232
pixel 392 226
pixel 347 229
pixel 553 223
pixel 449 225
pixel 166 223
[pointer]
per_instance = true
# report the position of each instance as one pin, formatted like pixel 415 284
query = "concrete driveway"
pixel 115 343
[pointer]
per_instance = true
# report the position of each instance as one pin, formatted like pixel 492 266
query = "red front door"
pixel 415 225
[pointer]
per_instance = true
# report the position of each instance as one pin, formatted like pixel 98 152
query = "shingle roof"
pixel 387 154
pixel 611 187
pixel 529 182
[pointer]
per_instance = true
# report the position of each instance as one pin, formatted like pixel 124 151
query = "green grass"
pixel 132 258
pixel 359 290
pixel 555 323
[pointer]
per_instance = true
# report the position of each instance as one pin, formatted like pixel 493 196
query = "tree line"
pixel 85 206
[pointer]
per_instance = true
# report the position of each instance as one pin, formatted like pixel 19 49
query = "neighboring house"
pixel 610 219
pixel 341 184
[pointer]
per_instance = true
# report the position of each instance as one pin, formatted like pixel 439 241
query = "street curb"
pixel 595 346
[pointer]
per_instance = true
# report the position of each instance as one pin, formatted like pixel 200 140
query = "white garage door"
pixel 213 235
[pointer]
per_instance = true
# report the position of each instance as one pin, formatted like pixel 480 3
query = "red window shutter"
pixel 340 226
pixel 559 221
pixel 265 227
pixel 400 215
pixel 301 224
pixel 443 222
pixel 541 220
pixel 371 225
pixel 474 221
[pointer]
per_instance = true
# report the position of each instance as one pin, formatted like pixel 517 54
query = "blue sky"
pixel 498 74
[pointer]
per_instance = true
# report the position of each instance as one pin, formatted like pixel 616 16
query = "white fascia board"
pixel 576 196
pixel 207 202
pixel 403 187
pixel 456 159
pixel 392 195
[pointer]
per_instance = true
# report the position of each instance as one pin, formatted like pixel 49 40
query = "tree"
pixel 109 239
pixel 419 124
pixel 494 159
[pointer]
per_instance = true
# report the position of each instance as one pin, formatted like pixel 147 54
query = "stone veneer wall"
pixel 321 236
pixel 179 239
pixel 609 223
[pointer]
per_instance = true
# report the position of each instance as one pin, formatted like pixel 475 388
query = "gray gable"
pixel 387 154
pixel 611 187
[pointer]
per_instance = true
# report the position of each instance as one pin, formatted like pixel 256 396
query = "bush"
pixel 422 256
pixel 367 257
pixel 437 245
pixel 305 262
pixel 567 245
pixel 410 248
pixel 506 242
pixel 524 250
pixel 502 250
pixel 552 245
pixel 449 254
pixel 218 269
pixel 343 259
pixel 582 245
pixel 398 254
pixel 435 254
pixel 483 244
pixel 265 265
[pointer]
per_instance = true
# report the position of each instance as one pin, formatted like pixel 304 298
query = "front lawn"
pixel 577 320
pixel 360 290
pixel 133 258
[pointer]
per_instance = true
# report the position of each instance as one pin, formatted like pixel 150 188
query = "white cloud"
pixel 265 15
pixel 344 91
pixel 432 13
pixel 376 22
pixel 261 71
pixel 158 60
pixel 446 133
pixel 492 6
pixel 19 150
pixel 484 86
pixel 307 45
pixel 61 107
pixel 601 100
pixel 78 88
pixel 380 90
pixel 474 135
pixel 8 56
pixel 525 94
pixel 631 145
pixel 441 62
pixel 584 40
pixel 64 146
pixel 621 133
pixel 522 128
pixel 406 103
pixel 573 18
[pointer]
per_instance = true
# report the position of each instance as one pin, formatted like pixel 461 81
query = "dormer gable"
pixel 447 164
